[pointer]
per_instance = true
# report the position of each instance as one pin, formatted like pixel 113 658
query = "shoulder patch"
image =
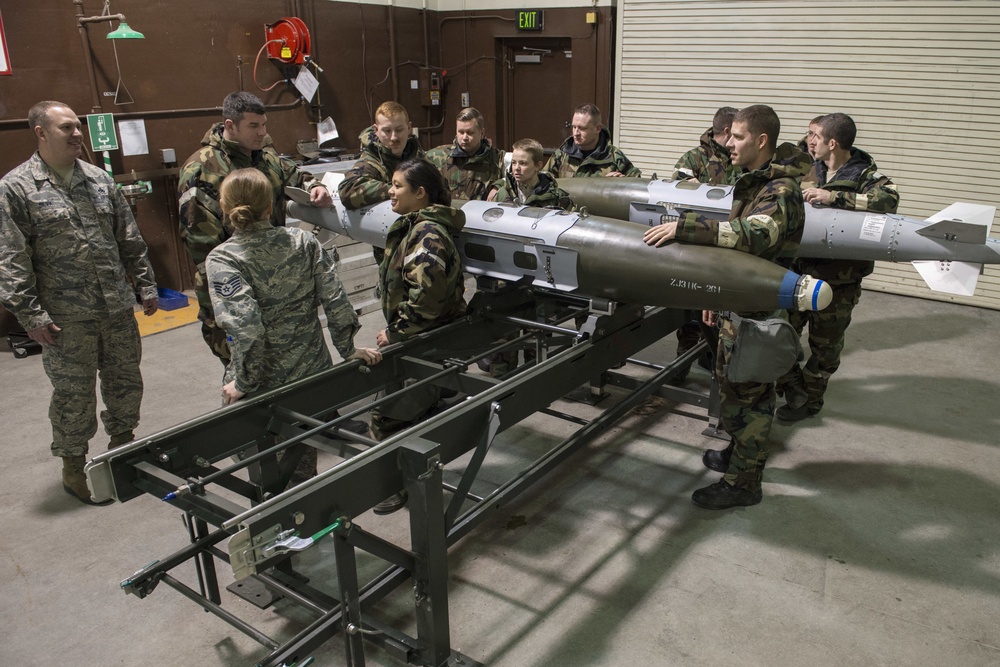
pixel 227 287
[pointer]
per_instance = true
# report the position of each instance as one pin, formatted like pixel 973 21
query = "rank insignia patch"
pixel 228 287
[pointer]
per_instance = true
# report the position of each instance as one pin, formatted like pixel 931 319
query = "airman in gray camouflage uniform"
pixel 266 283
pixel 239 141
pixel 589 152
pixel 470 165
pixel 846 177
pixel 68 245
pixel 766 220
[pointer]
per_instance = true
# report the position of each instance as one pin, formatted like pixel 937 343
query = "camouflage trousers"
pixel 807 385
pixel 747 411
pixel 109 348
pixel 403 412
pixel 689 333
pixel 215 336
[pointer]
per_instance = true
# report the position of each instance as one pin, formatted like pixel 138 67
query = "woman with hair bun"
pixel 421 284
pixel 265 283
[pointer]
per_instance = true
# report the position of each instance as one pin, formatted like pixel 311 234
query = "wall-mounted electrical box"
pixel 430 88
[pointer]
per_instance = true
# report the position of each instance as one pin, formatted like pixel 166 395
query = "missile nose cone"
pixel 813 294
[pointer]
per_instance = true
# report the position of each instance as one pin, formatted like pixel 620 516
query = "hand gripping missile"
pixel 595 256
pixel 948 249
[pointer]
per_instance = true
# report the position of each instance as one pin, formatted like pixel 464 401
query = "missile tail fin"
pixel 961 222
pixel 957 278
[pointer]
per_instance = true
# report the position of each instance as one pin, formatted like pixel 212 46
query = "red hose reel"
pixel 288 40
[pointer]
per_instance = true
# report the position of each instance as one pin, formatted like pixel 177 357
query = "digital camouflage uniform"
pixel 66 254
pixel 468 176
pixel 421 286
pixel 709 163
pixel 766 220
pixel 568 160
pixel 857 186
pixel 545 194
pixel 201 220
pixel 369 179
pixel 266 283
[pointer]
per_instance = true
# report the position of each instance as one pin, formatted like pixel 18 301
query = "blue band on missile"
pixel 786 293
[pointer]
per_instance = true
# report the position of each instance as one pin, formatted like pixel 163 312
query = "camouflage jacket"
pixel 468 176
pixel 857 186
pixel 421 277
pixel 767 216
pixel 201 177
pixel 266 283
pixel 67 250
pixel 369 179
pixel 568 160
pixel 546 194
pixel 709 163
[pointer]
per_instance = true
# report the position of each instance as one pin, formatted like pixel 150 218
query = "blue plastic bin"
pixel 170 299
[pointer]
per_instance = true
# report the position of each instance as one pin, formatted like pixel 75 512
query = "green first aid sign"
pixel 102 132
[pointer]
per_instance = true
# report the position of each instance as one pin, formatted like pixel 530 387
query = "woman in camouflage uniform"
pixel 266 283
pixel 421 283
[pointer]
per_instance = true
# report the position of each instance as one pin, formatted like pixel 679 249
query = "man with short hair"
pixel 384 146
pixel 589 152
pixel 527 184
pixel 68 247
pixel 710 161
pixel 766 220
pixel 470 164
pixel 239 141
pixel 845 177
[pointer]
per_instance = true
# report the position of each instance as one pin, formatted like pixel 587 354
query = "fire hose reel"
pixel 288 41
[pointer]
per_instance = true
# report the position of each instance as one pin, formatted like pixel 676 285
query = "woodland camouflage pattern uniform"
pixel 266 283
pixel 709 163
pixel 858 186
pixel 766 220
pixel 568 160
pixel 421 285
pixel 545 194
pixel 369 179
pixel 66 251
pixel 201 217
pixel 468 176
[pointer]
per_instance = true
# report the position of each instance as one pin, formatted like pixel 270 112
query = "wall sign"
pixel 529 19
pixel 4 59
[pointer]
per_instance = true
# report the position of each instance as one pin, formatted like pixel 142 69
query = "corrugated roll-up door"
pixel 921 79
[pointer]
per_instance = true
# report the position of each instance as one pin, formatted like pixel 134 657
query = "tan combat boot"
pixel 75 481
pixel 120 439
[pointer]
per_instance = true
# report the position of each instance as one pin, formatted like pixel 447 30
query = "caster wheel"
pixel 19 353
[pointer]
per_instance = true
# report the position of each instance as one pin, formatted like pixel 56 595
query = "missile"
pixel 594 256
pixel 948 249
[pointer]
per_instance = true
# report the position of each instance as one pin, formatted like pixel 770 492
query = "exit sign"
pixel 530 19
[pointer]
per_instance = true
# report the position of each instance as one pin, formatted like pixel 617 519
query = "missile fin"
pixel 961 222
pixel 957 278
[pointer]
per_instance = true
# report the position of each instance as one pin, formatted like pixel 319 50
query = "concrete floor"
pixel 877 543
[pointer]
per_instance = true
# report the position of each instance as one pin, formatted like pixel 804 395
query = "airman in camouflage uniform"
pixel 710 161
pixel 421 285
pixel 68 246
pixel 589 152
pixel 766 220
pixel 240 141
pixel 266 283
pixel 841 177
pixel 470 164
pixel 384 146
pixel 543 194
